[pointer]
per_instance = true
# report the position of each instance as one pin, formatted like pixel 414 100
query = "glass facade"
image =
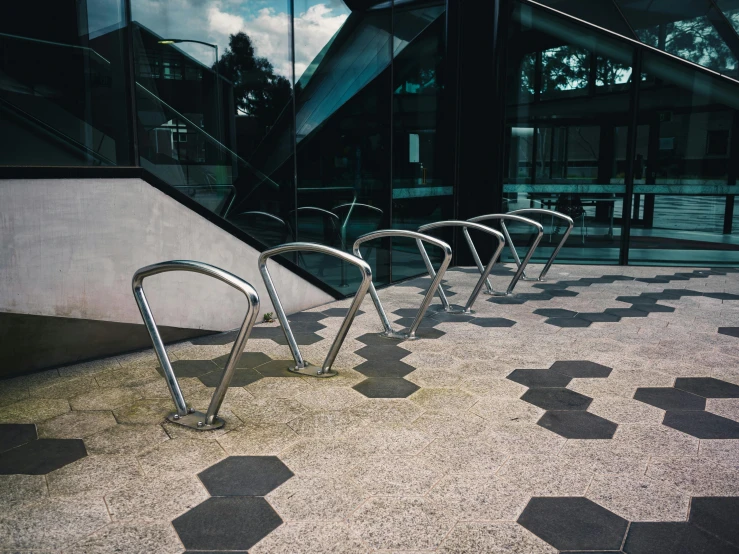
pixel 321 121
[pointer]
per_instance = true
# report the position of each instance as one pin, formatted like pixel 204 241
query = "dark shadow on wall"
pixel 31 343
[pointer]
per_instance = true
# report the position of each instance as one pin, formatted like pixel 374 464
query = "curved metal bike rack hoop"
pixel 184 415
pixel 465 225
pixel 522 266
pixel 539 211
pixel 301 366
pixel 436 280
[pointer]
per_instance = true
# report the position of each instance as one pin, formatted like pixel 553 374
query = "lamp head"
pixel 168 41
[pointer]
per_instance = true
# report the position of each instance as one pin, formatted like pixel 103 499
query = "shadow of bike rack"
pixel 301 366
pixel 522 266
pixel 184 415
pixel 465 225
pixel 539 211
pixel 436 279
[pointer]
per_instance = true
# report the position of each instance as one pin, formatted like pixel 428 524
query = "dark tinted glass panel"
pixel 422 192
pixel 62 89
pixel 343 141
pixel 564 136
pixel 683 205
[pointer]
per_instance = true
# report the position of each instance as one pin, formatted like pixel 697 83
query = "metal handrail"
pixel 540 211
pixel 502 218
pixel 183 415
pixel 488 268
pixel 300 365
pixel 436 280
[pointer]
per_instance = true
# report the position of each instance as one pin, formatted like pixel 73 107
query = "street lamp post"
pixel 218 80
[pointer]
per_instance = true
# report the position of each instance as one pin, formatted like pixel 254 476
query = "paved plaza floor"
pixel 595 412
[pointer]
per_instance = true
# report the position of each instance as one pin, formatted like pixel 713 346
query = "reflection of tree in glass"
pixel 695 40
pixel 564 68
pixel 258 91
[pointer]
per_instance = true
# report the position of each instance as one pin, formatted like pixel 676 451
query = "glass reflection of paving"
pixel 595 412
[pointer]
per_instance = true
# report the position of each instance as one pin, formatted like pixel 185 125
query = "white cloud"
pixel 214 20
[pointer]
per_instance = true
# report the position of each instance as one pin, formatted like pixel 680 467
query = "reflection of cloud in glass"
pixel 265 21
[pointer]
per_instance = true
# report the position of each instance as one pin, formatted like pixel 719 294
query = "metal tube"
pixel 429 293
pixel 325 369
pixel 519 219
pixel 196 420
pixel 552 213
pixel 432 273
pixel 485 272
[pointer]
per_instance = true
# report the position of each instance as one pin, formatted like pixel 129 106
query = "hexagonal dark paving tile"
pixel 569 322
pixel 503 300
pixel 427 322
pixel 576 424
pixel 376 339
pixel 557 399
pixel 307 317
pixel 492 322
pixel 707 387
pixel 721 295
pixel 668 398
pixel 41 456
pixel 562 293
pixel 379 387
pixel 703 425
pixel 227 523
pixel 573 523
pixel 190 368
pixel 302 338
pixel 599 317
pixel 15 434
pixel 655 308
pixel 673 538
pixel 637 299
pixel 240 378
pixel 718 515
pixel 247 360
pixel 626 312
pixel 389 351
pixel 339 312
pixel 245 476
pixel 535 378
pixel 730 331
pixel 581 369
pixel 384 369
pixel 277 368
pixel 555 312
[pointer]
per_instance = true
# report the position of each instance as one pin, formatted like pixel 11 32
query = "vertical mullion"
pixel 293 134
pixel 630 156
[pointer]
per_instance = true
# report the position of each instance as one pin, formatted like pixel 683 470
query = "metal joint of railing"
pixel 540 211
pixel 519 273
pixel 301 366
pixel 465 225
pixel 184 415
pixel 435 279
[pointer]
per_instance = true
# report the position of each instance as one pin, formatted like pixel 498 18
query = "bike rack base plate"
pixel 395 335
pixel 498 293
pixel 312 371
pixel 196 420
pixel 453 309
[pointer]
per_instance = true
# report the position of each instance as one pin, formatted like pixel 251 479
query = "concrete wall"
pixel 69 247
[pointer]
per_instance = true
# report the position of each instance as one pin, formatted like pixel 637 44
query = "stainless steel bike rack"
pixel 184 415
pixel 465 225
pixel 301 366
pixel 522 266
pixel 436 280
pixel 539 211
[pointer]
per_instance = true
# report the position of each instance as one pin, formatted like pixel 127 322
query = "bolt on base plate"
pixel 312 371
pixel 196 420
pixel 394 335
pixel 453 309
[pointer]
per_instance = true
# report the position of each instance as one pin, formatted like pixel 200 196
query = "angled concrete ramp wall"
pixel 69 247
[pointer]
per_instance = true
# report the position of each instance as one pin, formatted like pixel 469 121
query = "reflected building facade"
pixel 321 121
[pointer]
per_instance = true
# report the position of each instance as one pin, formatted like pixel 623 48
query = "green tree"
pixel 258 91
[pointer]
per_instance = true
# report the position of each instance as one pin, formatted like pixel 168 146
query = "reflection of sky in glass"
pixel 265 21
